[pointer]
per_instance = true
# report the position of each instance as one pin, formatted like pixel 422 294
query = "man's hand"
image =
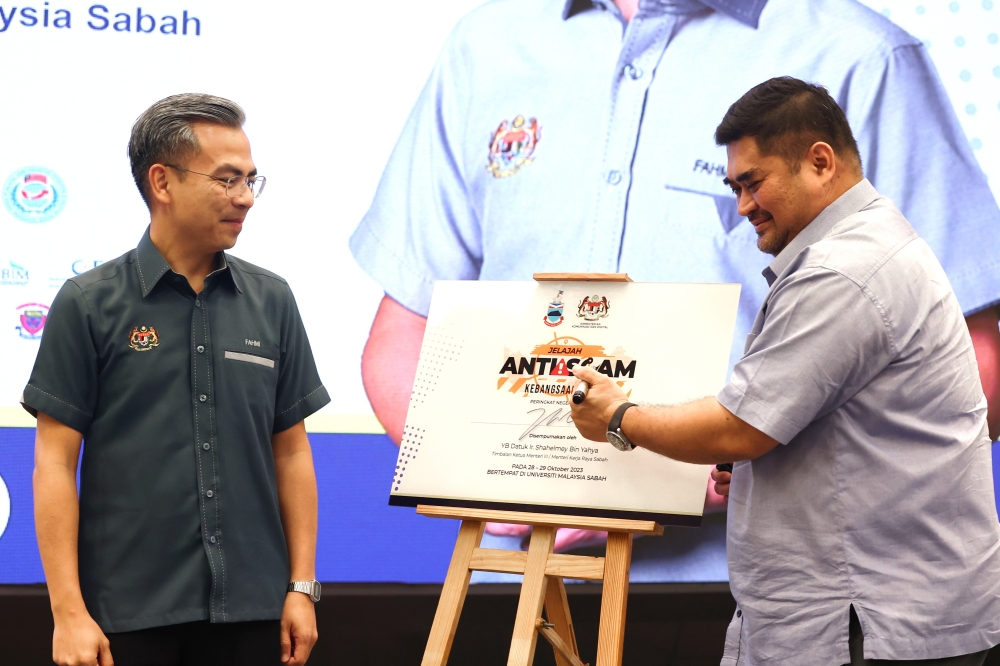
pixel 722 480
pixel 298 629
pixel 78 641
pixel 593 414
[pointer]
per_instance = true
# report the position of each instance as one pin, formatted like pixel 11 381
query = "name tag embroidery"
pixel 252 343
pixel 709 168
pixel 249 358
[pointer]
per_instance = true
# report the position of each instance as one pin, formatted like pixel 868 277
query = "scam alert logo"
pixel 548 368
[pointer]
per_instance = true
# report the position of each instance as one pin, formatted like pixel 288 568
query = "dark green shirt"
pixel 177 395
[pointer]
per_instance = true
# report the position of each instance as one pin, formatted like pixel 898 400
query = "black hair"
pixel 786 116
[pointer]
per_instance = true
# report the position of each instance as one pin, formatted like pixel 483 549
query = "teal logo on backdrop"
pixel 34 194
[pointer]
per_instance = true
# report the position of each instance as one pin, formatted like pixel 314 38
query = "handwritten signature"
pixel 547 419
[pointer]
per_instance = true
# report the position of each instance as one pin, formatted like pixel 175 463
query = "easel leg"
pixel 557 613
pixel 611 636
pixel 529 606
pixel 456 584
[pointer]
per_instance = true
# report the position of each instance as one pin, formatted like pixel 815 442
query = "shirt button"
pixel 197 304
pixel 206 446
pixel 614 177
pixel 211 539
pixel 209 493
pixel 202 397
pixel 201 349
pixel 633 72
pixel 739 613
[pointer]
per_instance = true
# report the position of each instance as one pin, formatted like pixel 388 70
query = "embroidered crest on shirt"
pixel 593 307
pixel 512 146
pixel 143 338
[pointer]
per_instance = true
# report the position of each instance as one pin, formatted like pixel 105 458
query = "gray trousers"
pixel 857 642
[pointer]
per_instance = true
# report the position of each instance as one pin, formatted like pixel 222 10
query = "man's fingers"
pixel 507 529
pixel 721 477
pixel 286 643
pixel 303 640
pixel 104 657
pixel 587 374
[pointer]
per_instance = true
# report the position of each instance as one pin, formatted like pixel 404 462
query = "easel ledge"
pixel 546 519
pixel 582 277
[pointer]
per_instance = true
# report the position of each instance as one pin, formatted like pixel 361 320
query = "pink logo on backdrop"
pixel 32 317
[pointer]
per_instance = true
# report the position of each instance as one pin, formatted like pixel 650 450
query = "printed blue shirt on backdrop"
pixel 553 136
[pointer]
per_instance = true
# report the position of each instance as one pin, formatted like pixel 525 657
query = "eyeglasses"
pixel 235 185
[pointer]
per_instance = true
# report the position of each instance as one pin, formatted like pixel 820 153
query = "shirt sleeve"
pixel 421 226
pixel 822 341
pixel 917 154
pixel 300 391
pixel 64 382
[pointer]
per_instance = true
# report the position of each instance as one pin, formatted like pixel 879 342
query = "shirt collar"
pixel 744 11
pixel 152 266
pixel 848 203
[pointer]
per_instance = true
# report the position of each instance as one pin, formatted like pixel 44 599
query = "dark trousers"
pixel 200 644
pixel 858 653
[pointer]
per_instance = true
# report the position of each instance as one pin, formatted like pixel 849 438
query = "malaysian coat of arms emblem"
pixel 143 338
pixel 512 146
pixel 554 315
pixel 593 307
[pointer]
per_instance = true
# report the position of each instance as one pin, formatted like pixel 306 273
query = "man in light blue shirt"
pixel 612 166
pixel 862 524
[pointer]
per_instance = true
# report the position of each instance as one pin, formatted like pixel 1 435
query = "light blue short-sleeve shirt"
pixel 880 494
pixel 620 171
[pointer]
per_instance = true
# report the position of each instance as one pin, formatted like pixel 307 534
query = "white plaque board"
pixel 488 422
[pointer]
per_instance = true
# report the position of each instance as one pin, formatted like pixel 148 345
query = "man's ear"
pixel 821 160
pixel 159 184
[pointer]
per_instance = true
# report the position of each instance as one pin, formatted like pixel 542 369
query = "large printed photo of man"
pixel 583 141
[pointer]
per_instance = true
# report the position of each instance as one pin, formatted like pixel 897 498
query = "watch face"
pixel 618 441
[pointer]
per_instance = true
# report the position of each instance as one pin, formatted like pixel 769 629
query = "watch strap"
pixel 616 420
pixel 311 588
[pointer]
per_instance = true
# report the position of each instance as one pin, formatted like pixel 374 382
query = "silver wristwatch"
pixel 309 587
pixel 615 435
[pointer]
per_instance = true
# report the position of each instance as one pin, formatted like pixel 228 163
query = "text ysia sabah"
pixel 548 368
pixel 100 18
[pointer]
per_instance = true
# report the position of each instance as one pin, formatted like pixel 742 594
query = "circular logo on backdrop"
pixel 4 506
pixel 34 194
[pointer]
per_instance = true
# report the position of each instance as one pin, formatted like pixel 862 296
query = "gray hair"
pixel 163 132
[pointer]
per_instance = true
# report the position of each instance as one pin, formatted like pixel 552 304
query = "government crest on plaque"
pixel 554 315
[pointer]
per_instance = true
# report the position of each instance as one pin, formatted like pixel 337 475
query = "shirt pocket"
pixel 249 358
pixel 249 379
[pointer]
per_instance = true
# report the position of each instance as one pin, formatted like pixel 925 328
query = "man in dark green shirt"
pixel 188 373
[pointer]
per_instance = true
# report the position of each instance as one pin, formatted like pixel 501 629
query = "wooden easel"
pixel 543 570
pixel 542 586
